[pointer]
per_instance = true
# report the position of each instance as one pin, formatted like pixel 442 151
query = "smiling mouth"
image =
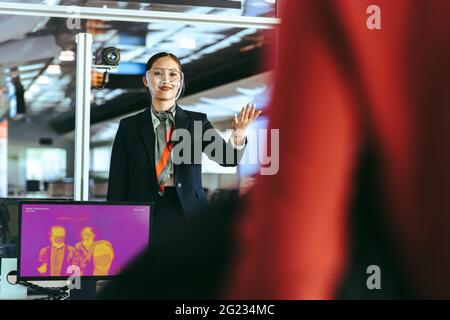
pixel 165 88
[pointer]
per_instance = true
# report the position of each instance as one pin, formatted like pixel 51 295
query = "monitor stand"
pixel 87 291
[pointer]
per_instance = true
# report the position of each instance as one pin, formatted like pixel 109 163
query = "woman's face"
pixel 163 79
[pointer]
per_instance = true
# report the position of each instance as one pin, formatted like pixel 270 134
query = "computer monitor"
pixel 9 224
pixel 9 208
pixel 95 240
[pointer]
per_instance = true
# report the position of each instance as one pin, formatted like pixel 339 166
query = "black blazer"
pixel 132 175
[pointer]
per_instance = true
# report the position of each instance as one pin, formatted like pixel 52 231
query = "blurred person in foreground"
pixel 363 175
pixel 368 177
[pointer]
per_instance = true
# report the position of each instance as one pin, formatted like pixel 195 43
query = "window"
pixel 45 163
pixel 100 158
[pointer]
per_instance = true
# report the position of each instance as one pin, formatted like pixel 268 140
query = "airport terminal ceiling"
pixel 38 57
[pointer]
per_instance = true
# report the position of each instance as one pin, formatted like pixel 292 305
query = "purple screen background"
pixel 126 227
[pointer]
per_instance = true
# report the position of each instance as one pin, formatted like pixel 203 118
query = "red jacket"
pixel 339 85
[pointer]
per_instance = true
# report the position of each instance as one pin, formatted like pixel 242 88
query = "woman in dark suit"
pixel 156 155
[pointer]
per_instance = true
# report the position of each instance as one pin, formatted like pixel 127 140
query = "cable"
pixel 52 294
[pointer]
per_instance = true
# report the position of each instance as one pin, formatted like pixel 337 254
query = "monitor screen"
pixel 9 213
pixel 59 240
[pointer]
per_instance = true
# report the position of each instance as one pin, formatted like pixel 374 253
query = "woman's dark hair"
pixel 155 57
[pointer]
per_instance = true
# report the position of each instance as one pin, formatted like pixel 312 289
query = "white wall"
pixel 25 134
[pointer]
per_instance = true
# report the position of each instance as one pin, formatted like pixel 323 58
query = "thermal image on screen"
pixel 93 240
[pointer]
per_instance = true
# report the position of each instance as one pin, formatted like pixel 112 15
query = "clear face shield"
pixel 160 77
